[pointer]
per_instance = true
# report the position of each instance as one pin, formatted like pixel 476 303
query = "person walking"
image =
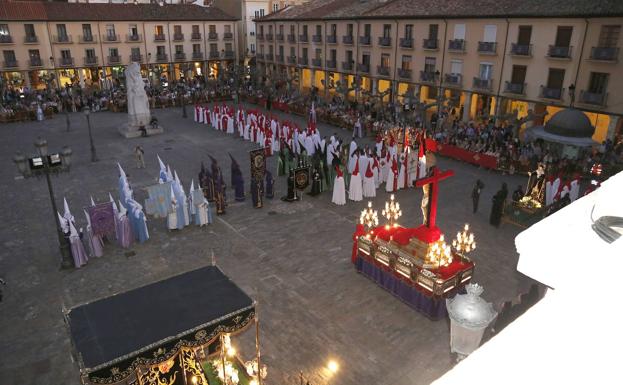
pixel 476 194
pixel 139 155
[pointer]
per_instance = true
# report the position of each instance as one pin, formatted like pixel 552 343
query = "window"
pixel 318 53
pixel 292 30
pixel 456 67
pixel 110 31
pixel 177 29
pixel 598 83
pixel 387 30
pixel 66 54
pixel 195 29
pixel 486 70
pixel 4 30
pixel 89 53
pixel 113 52
pixel 159 30
pixel 270 29
pixel 563 36
pixel 555 78
pixel 318 30
pixel 609 36
pixel 518 76
pixel 179 48
pixel 333 55
pixel 433 31
pixel 459 32
pixel 212 28
pixel 9 56
pixel 275 7
pixel 135 52
pixel 196 48
pixel 429 64
pixel 525 35
pixel 61 31
pixel 365 59
pixel 227 28
pixel 213 47
pixel 409 31
pixel 161 50
pixel 33 54
pixel 292 51
pixel 304 30
pixel 333 29
pixel 252 48
pixel 406 62
pixel 257 14
pixel 349 56
pixel 261 30
pixel 490 33
pixel 305 53
pixel 228 47
pixel 367 30
pixel 262 12
pixel 87 35
pixel 29 30
pixel 281 50
pixel 281 29
pixel 385 60
pixel 270 49
pixel 349 30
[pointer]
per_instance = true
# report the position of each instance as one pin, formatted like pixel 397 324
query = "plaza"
pixel 292 258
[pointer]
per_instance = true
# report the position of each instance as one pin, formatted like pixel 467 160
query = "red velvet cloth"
pixel 483 160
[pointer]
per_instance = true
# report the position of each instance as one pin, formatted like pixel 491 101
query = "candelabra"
pixel 255 371
pixel 464 242
pixel 439 253
pixel 369 218
pixel 392 212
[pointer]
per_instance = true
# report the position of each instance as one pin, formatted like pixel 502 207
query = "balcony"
pixel 178 37
pixel 406 42
pixel 385 41
pixel 428 77
pixel 270 57
pixel 279 37
pixel 259 56
pixel 610 54
pixel 482 84
pixel 10 64
pixel 487 47
pixel 136 58
pixel 453 79
pixel 35 62
pixel 521 49
pixel 382 71
pixel 66 62
pixel 259 36
pixel 365 68
pixel 431 44
pixel 559 52
pixel 90 60
pixel 515 88
pixel 347 65
pixel 32 39
pixel 317 38
pixel 86 39
pixel 404 73
pixel 133 38
pixel 162 57
pixel 112 38
pixel 114 59
pixel 180 56
pixel 292 39
pixel 456 45
pixel 551 93
pixel 303 61
pixel 228 36
pixel 332 64
pixel 291 59
pixel 6 39
pixel 159 37
pixel 280 58
pixel 316 62
pixel 198 55
pixel 195 36
pixel 62 39
pixel 269 37
pixel 214 36
pixel 229 54
pixel 304 38
pixel 216 55
pixel 364 40
pixel 347 39
pixel 331 39
pixel 593 98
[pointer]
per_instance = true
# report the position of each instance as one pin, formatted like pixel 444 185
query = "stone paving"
pixel 294 259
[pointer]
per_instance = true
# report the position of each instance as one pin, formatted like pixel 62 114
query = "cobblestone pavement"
pixel 294 259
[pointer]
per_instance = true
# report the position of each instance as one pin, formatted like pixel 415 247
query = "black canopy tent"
pixel 113 338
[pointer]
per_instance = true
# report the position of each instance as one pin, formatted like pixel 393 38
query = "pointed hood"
pixel 86 215
pixel 63 222
pixel 121 172
pixel 92 202
pixel 72 230
pixel 173 200
pixel 192 186
pixel 67 214
pixel 162 176
pixel 169 174
pixel 122 210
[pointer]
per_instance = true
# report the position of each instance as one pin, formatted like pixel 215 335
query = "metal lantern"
pixel 469 317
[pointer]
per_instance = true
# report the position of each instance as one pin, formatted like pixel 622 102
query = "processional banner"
pixel 258 163
pixel 102 218
pixel 159 202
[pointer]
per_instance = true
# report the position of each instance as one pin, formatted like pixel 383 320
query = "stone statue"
pixel 138 104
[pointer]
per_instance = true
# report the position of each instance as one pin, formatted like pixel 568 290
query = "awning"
pixel 147 325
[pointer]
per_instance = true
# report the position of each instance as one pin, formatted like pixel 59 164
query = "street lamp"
pixel 572 94
pixel 45 164
pixel 87 113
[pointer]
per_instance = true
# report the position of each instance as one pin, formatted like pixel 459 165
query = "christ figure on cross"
pixel 430 186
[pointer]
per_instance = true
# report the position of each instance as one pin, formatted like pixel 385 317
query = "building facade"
pixel 52 44
pixel 504 61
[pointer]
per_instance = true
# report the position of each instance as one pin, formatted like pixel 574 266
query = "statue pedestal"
pixel 129 131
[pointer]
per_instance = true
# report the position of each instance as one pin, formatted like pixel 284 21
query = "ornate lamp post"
pixel 392 212
pixel 44 164
pixel 87 113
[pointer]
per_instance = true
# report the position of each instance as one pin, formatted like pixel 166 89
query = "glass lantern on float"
pixel 469 317
pixel 255 372
pixel 392 212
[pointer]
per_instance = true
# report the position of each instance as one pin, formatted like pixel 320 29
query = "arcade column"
pixel 467 106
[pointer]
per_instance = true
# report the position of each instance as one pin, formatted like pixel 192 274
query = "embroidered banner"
pixel 159 202
pixel 102 218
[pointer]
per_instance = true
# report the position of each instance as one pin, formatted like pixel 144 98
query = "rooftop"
pixel 56 11
pixel 374 9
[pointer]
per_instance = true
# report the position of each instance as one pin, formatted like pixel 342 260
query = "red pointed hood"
pixel 356 170
pixel 369 173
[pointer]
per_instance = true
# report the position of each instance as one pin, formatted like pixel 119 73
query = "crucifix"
pixel 433 186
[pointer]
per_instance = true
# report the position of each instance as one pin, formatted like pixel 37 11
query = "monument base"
pixel 134 132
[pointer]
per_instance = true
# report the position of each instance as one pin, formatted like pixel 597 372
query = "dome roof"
pixel 571 123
